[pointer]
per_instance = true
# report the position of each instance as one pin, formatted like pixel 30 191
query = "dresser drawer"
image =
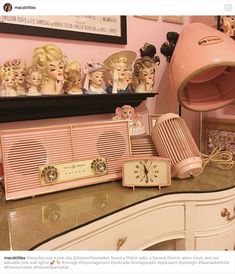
pixel 222 241
pixel 209 214
pixel 137 231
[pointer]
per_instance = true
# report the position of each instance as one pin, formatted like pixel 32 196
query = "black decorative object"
pixel 42 107
pixel 168 47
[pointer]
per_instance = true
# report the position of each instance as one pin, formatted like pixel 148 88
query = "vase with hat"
pixel 144 69
pixel 94 78
pixel 72 73
pixel 117 66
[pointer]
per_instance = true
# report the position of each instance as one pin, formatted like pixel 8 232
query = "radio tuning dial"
pixel 50 174
pixel 99 166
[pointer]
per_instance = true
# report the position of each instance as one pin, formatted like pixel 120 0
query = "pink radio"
pixel 48 159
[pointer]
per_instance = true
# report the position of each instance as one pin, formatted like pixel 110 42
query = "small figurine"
pixel 20 74
pixel 117 64
pixel 129 80
pixel 94 78
pixel 8 87
pixel 144 75
pixel 20 68
pixel 72 73
pixel 127 112
pixel 51 61
pixel 144 69
pixel 228 25
pixel 33 82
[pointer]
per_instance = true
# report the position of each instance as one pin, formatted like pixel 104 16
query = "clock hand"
pixel 146 173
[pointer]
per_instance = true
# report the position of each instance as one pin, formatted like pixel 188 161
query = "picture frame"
pixel 225 28
pixel 106 29
pixel 173 19
pixel 148 17
pixel 218 132
pixel 152 118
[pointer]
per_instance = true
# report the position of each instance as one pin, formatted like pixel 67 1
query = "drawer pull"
pixel 226 213
pixel 120 242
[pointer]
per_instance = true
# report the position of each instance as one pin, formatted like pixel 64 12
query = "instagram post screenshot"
pixel 117 136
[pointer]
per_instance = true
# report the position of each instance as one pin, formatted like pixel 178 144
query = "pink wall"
pixel 139 31
pixel 227 112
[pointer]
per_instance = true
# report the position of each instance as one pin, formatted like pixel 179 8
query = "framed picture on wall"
pixel 226 24
pixel 173 19
pixel 217 132
pixel 108 29
pixel 153 18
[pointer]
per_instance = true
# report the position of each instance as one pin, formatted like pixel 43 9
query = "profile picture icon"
pixel 7 7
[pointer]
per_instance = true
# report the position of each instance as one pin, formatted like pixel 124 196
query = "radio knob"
pixel 50 174
pixel 99 166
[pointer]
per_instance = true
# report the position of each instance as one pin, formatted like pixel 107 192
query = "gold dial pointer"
pixel 146 173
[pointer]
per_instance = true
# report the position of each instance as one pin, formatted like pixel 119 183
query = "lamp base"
pixel 186 168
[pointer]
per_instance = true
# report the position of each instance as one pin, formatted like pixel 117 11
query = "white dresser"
pixel 195 219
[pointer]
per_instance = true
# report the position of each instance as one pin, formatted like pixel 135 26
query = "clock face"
pixel 146 171
pixel 151 171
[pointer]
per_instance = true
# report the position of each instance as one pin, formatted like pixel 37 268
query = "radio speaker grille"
pixel 25 150
pixel 143 146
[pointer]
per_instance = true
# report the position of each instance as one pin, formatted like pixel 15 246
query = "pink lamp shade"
pixel 202 68
pixel 173 140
